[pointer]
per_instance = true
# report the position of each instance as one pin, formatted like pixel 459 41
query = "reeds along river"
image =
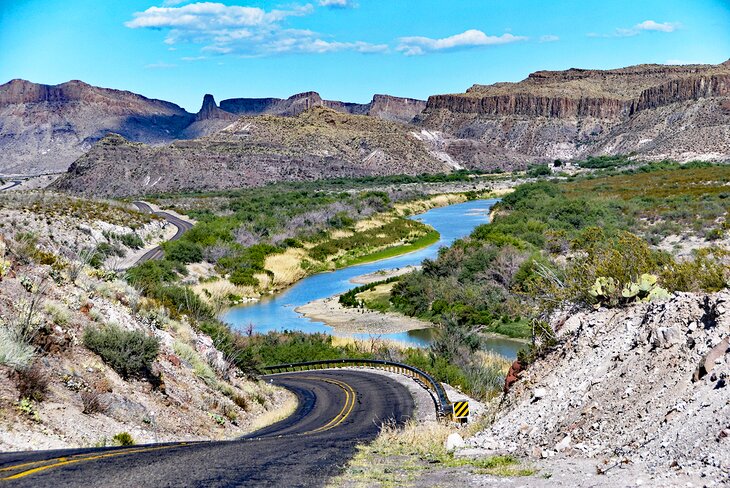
pixel 277 312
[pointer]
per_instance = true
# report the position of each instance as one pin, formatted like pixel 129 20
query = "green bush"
pixel 183 252
pixel 129 353
pixel 150 274
pixel 123 439
pixel 132 240
pixel 539 170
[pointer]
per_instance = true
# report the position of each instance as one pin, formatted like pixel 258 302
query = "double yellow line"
pixel 350 397
pixel 45 464
pixel 26 469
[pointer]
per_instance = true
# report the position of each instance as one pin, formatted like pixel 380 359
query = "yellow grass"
pixel 420 206
pixel 272 416
pixel 340 234
pixel 372 223
pixel 220 289
pixel 286 266
pixel 369 345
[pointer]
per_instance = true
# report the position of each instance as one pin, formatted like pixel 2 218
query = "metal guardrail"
pixel 441 401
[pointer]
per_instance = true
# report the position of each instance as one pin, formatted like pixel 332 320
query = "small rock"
pixel 539 393
pixel 454 441
pixel 564 444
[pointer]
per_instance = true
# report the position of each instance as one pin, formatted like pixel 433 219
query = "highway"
pixel 10 184
pixel 182 227
pixel 337 410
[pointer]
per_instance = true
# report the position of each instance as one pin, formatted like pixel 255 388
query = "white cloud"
pixel 650 25
pixel 549 38
pixel 416 46
pixel 239 30
pixel 645 26
pixel 160 65
pixel 338 3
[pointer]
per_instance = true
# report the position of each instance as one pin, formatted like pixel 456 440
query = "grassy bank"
pixel 432 237
pixel 403 456
pixel 259 241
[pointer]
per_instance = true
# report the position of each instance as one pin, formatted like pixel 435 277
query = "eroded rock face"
pixel 253 151
pixel 385 107
pixel 647 383
pixel 44 128
pixel 576 113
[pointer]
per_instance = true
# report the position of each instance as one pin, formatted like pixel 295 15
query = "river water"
pixel 276 313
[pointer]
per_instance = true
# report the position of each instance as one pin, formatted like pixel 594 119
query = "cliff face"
pixel 252 151
pixel 44 128
pixel 576 113
pixel 385 107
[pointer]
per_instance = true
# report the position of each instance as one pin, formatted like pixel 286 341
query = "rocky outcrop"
pixel 576 113
pixel 645 385
pixel 253 151
pixel 209 110
pixel 396 109
pixel 385 107
pixel 44 128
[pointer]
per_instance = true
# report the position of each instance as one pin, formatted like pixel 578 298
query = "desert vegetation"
pixel 590 241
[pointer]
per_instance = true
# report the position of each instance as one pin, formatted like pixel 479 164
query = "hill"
pixel 253 151
pixel 655 111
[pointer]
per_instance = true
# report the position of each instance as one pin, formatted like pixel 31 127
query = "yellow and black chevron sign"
pixel 461 410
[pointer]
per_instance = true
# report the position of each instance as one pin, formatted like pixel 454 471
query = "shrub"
pixel 91 401
pixel 183 252
pixel 15 350
pixel 123 439
pixel 129 353
pixel 152 273
pixel 132 240
pixel 32 383
pixel 539 170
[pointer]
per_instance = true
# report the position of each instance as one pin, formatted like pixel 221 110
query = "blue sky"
pixel 345 49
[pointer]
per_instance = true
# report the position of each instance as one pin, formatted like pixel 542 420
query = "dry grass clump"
pixel 399 456
pixel 286 266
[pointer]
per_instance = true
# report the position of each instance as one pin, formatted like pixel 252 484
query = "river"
pixel 276 313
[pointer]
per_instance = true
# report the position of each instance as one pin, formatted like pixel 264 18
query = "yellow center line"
pixel 350 397
pixel 63 461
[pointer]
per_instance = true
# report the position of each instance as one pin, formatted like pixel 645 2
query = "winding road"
pixel 337 410
pixel 182 227
pixel 10 184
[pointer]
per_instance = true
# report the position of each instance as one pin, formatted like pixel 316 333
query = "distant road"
pixel 182 227
pixel 337 410
pixel 10 184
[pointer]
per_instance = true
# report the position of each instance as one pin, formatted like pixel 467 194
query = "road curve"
pixel 182 227
pixel 13 184
pixel 337 410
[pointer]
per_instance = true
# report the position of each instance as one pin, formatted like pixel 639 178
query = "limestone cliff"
pixel 575 113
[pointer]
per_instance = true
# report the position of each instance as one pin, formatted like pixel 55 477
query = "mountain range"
pixel 650 111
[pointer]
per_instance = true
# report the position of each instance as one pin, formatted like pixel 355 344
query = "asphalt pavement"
pixel 182 227
pixel 337 410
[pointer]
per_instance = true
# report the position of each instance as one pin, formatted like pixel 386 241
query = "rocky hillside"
pixel 656 111
pixel 59 387
pixel 385 107
pixel 645 386
pixel 253 151
pixel 44 128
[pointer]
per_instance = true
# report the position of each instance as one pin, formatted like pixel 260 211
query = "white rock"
pixel 539 393
pixel 564 444
pixel 454 441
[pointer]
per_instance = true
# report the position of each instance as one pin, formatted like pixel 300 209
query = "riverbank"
pixel 345 320
pixel 285 269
